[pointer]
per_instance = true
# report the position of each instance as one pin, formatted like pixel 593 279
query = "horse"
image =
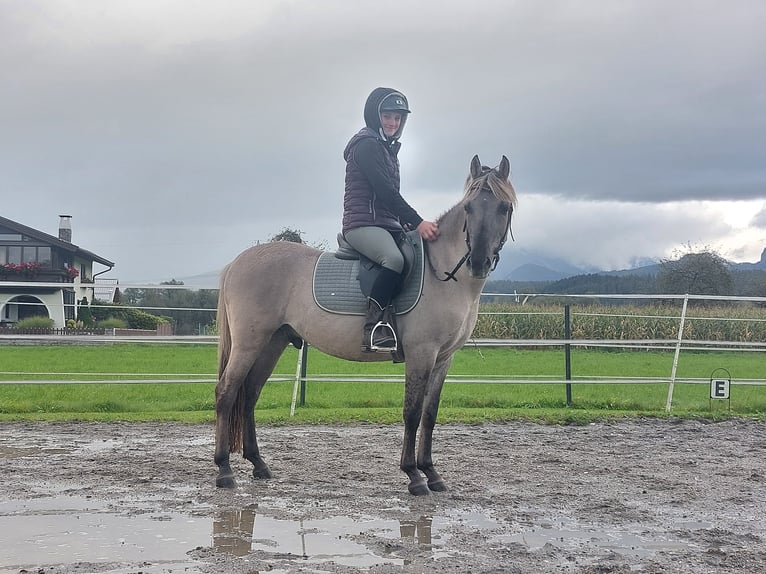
pixel 266 303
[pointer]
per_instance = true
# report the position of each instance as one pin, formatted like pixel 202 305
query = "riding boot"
pixel 379 333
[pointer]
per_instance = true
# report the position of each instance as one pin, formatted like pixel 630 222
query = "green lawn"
pixel 367 401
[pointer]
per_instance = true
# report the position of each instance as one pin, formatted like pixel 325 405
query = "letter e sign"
pixel 719 388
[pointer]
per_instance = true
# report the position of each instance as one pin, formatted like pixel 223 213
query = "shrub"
pixel 38 322
pixel 135 318
pixel 112 323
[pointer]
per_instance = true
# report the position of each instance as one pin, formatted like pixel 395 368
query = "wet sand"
pixel 631 496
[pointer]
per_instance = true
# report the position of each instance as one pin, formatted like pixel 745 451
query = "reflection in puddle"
pixel 240 532
pixel 417 530
pixel 233 531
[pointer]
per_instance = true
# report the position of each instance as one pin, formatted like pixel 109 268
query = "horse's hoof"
pixel 226 481
pixel 418 488
pixel 437 486
pixel 262 473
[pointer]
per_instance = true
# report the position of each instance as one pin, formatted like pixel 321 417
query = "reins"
pixel 451 274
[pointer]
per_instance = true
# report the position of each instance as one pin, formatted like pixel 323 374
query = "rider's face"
pixel 390 122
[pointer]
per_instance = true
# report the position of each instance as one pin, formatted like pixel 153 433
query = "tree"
pixel 296 236
pixel 190 311
pixel 287 234
pixel 703 273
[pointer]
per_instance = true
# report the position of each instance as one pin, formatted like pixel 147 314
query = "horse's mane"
pixel 499 187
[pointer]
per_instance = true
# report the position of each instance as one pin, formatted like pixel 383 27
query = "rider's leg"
pixel 379 333
pixel 378 245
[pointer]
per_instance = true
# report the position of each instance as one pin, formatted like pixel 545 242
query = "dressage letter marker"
pixel 719 388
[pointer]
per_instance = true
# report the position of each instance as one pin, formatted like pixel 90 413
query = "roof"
pixel 54 241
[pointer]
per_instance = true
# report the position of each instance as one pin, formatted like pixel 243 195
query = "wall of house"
pixel 53 301
pixel 54 306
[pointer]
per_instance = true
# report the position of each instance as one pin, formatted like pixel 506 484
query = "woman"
pixel 375 213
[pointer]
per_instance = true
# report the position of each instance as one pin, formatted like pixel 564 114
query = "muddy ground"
pixel 632 496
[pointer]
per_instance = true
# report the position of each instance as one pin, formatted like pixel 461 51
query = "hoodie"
pixel 372 174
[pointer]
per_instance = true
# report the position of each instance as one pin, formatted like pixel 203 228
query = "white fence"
pixel 301 378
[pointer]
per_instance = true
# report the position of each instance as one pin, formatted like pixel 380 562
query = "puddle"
pixel 240 532
pixel 74 529
pixel 78 529
pixel 67 530
pixel 629 544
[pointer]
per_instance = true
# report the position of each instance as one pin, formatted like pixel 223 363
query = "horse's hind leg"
pixel 427 424
pixel 256 379
pixel 228 393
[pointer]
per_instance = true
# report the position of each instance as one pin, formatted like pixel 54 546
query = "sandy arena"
pixel 634 496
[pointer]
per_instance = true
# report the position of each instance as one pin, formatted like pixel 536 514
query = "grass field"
pixel 368 401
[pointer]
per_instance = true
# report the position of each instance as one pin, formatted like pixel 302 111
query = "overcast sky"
pixel 178 133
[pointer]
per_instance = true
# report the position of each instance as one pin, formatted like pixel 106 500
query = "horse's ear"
pixel 504 169
pixel 475 167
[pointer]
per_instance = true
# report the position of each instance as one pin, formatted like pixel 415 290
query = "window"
pixel 28 254
pixel 14 254
pixel 10 237
pixel 68 304
pixel 44 256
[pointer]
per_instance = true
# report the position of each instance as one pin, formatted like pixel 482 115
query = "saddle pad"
pixel 336 285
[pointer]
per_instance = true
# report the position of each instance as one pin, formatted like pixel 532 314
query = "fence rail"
pixel 68 336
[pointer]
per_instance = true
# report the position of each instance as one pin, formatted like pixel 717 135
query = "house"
pixel 44 275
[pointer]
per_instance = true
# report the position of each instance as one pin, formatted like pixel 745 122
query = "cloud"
pixel 759 219
pixel 153 121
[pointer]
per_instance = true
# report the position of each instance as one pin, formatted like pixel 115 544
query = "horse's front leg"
pixel 427 424
pixel 414 390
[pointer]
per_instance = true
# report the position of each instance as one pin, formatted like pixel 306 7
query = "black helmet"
pixel 385 100
pixel 394 102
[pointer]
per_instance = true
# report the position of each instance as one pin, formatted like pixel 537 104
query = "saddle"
pixel 342 279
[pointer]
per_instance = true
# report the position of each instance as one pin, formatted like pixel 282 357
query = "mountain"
pixel 760 265
pixel 528 266
pixel 524 265
pixel 207 280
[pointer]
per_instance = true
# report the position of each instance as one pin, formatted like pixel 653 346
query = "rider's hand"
pixel 428 230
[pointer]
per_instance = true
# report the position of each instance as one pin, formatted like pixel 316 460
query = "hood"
pixel 372 112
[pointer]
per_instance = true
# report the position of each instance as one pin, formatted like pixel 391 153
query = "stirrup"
pixel 371 346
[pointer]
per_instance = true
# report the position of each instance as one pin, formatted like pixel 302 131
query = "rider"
pixel 374 212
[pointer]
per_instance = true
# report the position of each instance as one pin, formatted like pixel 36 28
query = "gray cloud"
pixel 198 129
pixel 759 219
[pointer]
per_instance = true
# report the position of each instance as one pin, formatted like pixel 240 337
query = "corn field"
pixel 739 322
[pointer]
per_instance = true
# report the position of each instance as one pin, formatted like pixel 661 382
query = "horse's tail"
pixel 237 413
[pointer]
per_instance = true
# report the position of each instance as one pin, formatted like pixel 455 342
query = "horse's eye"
pixel 504 208
pixel 468 208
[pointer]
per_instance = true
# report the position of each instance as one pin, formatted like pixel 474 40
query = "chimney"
pixel 65 228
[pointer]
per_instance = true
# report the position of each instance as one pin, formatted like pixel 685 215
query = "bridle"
pixel 495 256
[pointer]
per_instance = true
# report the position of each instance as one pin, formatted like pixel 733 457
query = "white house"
pixel 44 275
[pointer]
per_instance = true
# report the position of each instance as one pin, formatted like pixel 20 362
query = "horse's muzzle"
pixel 479 269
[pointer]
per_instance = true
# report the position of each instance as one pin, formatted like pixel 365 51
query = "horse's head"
pixel 488 204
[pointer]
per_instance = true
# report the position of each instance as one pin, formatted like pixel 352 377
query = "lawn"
pixel 329 401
